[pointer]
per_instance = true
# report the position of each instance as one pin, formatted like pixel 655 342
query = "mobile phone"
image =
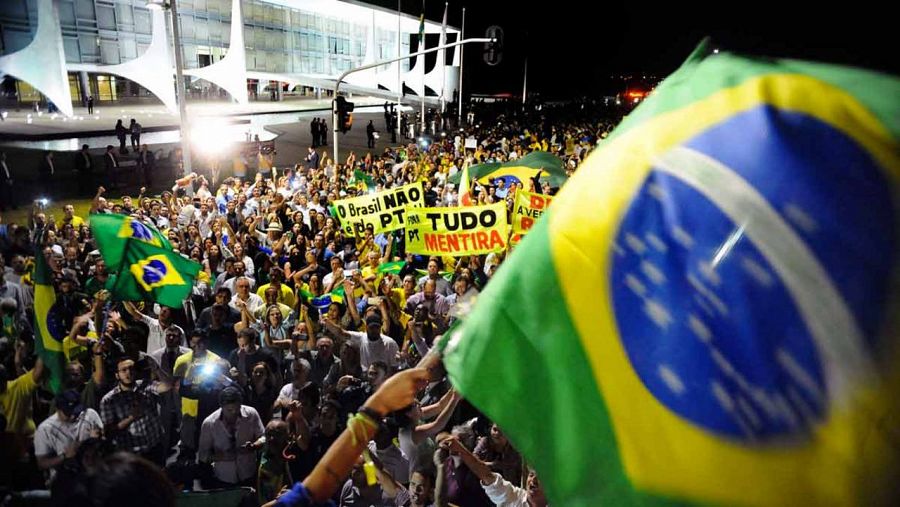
pixel 376 300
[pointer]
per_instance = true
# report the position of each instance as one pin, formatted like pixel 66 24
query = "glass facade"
pixel 277 39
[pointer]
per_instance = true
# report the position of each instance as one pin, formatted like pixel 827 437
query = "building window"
pixel 106 88
pixel 106 17
pixel 109 52
pixel 74 88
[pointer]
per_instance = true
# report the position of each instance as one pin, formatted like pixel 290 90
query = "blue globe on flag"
pixel 154 272
pixel 728 291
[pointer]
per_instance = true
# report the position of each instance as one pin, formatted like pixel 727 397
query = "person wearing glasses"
pixel 130 413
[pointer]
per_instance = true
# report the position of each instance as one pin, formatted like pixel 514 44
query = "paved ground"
pixel 225 125
pixel 151 116
pixel 291 144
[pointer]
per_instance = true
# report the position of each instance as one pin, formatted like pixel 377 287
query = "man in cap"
pixel 373 346
pixel 59 435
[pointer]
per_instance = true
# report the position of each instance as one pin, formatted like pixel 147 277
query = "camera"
pixel 42 202
pixel 208 370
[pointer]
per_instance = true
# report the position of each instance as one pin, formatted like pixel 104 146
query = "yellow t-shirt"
pixel 16 402
pixel 185 365
pixel 285 297
pixel 77 222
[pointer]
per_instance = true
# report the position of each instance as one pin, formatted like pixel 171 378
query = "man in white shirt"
pixel 226 439
pixel 243 294
pixel 333 279
pixel 59 436
pixel 157 337
pixel 373 346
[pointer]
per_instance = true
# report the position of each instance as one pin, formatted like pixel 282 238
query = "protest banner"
pixel 457 231
pixel 527 209
pixel 384 210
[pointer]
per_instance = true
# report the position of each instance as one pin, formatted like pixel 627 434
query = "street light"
pixel 337 84
pixel 179 81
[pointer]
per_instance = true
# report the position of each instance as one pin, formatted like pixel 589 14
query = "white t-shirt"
pixel 419 455
pixel 288 392
pixel 254 303
pixel 53 436
pixel 502 492
pixel 156 339
pixel 375 350
pixel 326 280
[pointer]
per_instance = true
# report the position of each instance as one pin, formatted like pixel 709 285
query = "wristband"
pixel 371 414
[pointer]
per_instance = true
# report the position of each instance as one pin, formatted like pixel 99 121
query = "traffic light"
pixel 344 118
pixel 493 51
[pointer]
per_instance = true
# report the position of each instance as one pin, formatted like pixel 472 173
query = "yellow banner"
pixel 469 230
pixel 384 210
pixel 527 209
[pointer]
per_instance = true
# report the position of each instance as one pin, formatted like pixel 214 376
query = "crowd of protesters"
pixel 249 383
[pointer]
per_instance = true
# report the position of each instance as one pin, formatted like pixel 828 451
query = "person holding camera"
pixel 199 375
pixel 227 439
pixel 435 305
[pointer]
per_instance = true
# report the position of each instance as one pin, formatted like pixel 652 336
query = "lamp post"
pixel 179 82
pixel 340 78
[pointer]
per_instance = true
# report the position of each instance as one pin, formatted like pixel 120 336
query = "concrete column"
pixel 85 82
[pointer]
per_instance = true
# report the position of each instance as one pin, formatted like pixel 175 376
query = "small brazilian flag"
pixel 391 267
pixel 362 181
pixel 717 312
pixel 446 275
pixel 151 272
pixel 112 233
pixel 325 300
pixel 519 171
pixel 49 328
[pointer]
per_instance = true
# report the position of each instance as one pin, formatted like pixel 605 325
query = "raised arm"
pixel 478 467
pixel 132 310
pixel 432 428
pixel 386 255
pixel 433 410
pixel 337 331
pixel 297 425
pixel 95 203
pixel 350 300
pixel 332 470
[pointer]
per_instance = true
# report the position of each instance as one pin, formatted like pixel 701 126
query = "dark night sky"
pixel 573 48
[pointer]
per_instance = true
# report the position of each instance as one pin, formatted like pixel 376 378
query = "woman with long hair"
pixel 262 390
pixel 295 261
pixel 275 331
pixel 196 254
pixel 213 264
pixel 237 249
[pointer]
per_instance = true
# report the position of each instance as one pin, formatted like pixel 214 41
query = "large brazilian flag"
pixel 703 314
pixel 112 233
pixel 48 325
pixel 150 272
